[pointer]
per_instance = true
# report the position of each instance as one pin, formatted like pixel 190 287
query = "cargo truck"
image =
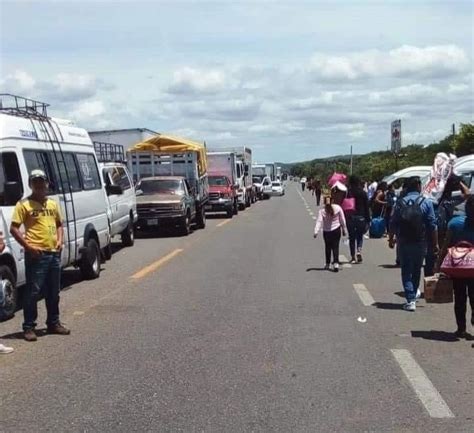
pixel 171 181
pixel 124 137
pixel 246 193
pixel 222 171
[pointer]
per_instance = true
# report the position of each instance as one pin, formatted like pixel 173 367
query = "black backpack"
pixel 412 225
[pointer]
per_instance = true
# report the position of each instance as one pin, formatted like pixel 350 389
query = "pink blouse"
pixel 330 222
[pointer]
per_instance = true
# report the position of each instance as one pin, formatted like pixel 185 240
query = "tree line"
pixel 376 165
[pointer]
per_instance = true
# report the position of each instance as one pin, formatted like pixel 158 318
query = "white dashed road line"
pixel 364 294
pixel 422 385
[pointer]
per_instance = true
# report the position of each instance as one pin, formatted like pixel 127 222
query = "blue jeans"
pixel 43 275
pixel 356 227
pixel 411 261
pixel 430 260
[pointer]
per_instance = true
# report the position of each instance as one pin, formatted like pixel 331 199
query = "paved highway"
pixel 237 329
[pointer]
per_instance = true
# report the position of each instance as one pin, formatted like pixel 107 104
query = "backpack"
pixel 412 226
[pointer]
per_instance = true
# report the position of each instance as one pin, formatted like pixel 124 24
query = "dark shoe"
pixel 326 268
pixel 359 258
pixel 461 334
pixel 30 335
pixel 58 330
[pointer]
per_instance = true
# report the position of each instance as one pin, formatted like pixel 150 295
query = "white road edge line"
pixel 364 295
pixel 422 385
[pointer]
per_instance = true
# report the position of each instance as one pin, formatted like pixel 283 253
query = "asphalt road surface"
pixel 237 329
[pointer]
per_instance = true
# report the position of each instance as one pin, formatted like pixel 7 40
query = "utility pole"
pixel 351 158
pixel 454 130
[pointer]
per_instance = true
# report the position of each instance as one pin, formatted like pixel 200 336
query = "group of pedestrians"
pixel 345 211
pixel 415 226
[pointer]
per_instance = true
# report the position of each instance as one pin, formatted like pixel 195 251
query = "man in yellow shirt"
pixel 42 242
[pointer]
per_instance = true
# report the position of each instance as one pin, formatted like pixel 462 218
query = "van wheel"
pixel 8 293
pixel 201 219
pixel 185 227
pixel 90 261
pixel 128 235
pixel 108 251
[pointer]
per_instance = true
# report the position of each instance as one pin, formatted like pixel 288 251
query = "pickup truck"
pixel 166 201
pixel 172 182
pixel 222 196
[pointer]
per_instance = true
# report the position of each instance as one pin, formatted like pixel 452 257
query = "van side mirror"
pixel 138 192
pixel 114 190
pixel 13 193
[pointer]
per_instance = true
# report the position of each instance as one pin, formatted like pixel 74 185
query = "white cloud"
pixel 18 82
pixel 424 137
pixel 230 110
pixel 405 61
pixel 70 87
pixel 90 115
pixel 191 81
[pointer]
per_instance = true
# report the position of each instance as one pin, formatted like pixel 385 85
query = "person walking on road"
pixel 413 223
pixel 317 190
pixel 358 220
pixel 379 203
pixel 42 242
pixel 461 228
pixel 303 183
pixel 331 219
pixel 4 350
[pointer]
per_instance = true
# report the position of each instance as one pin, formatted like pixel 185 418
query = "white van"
pixel 29 139
pixel 121 197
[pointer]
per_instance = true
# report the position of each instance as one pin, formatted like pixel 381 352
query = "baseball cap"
pixel 38 174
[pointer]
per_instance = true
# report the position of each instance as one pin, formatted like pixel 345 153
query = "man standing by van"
pixel 42 242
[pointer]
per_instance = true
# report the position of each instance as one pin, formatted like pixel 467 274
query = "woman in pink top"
pixel 331 218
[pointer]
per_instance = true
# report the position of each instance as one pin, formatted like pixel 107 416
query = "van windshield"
pixel 161 186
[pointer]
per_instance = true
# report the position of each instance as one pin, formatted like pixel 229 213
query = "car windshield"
pixel 161 186
pixel 218 181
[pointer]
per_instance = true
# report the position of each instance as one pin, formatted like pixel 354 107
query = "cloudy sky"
pixel 294 80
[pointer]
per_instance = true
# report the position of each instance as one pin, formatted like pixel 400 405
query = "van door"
pixel 60 190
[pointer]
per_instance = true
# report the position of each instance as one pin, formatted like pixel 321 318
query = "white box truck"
pixel 246 191
pixel 124 137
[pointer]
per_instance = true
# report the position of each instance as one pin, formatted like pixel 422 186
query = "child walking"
pixel 331 218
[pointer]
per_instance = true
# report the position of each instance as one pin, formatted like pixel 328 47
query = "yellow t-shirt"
pixel 40 221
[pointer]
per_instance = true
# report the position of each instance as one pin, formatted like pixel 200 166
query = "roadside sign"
pixel 396 134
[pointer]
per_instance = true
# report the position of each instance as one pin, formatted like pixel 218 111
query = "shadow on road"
pixel 389 266
pixel 216 216
pixel 158 233
pixel 19 335
pixel 387 305
pixel 316 269
pixel 435 335
pixel 402 295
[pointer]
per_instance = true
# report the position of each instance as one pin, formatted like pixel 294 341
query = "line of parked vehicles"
pixel 111 183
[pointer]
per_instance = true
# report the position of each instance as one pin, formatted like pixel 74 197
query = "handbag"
pixel 348 204
pixel 459 261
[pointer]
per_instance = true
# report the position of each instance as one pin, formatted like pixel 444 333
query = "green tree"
pixel 464 141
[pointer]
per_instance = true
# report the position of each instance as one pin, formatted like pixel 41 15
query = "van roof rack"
pixel 109 152
pixel 20 106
